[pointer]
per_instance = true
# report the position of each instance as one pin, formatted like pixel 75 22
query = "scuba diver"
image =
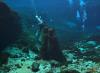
pixel 48 45
pixel 40 21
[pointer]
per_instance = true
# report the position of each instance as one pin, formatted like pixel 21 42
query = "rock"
pixel 28 67
pixel 35 67
pixel 23 60
pixel 45 68
pixel 4 58
pixel 37 58
pixel 70 71
pixel 92 43
pixel 6 69
pixel 25 49
pixel 18 65
pixel 10 28
pixel 14 52
pixel 94 38
pixel 54 63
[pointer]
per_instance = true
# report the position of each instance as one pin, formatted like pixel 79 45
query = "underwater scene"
pixel 49 36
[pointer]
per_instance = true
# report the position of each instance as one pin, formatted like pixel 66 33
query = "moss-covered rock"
pixel 10 28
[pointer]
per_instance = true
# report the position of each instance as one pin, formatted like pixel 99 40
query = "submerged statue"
pixel 50 46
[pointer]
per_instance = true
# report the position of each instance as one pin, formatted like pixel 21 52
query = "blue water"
pixel 61 15
pixel 59 12
pixel 67 31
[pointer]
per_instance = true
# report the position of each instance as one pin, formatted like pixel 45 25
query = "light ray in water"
pixel 70 2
